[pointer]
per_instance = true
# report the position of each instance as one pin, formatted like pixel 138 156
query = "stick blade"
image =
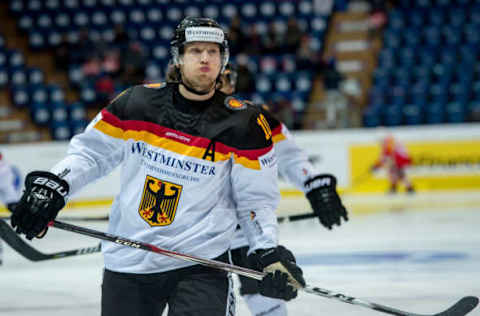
pixel 18 244
pixel 462 307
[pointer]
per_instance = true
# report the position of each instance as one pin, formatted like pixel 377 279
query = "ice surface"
pixel 420 261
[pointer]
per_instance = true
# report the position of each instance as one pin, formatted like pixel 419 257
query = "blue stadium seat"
pixel 412 114
pixel 88 95
pixel 40 113
pixel 154 16
pixel 118 16
pixel 460 92
pixel 437 17
pixel 303 82
pixel 282 83
pixel 16 7
pixel 458 17
pixel 391 39
pixel 52 37
pixel 435 113
pixel 59 112
pixel 71 5
pixel 432 36
pixel 371 117
pixel 174 12
pixel 455 112
pixel 77 111
pixel 136 17
pixel 60 130
pixel 35 75
pixel 154 71
pixel 14 58
pixel 38 94
pixel 17 75
pixel 263 84
pixel 20 96
pixel 392 115
pixel 411 36
pixel 55 93
pixel 191 10
pixel 80 19
pixel 305 8
pixel 452 35
pixel 229 10
pixel 211 11
pixel 286 8
pixel 43 21
pixel 417 18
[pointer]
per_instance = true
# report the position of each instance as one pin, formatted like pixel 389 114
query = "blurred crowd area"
pixel 291 55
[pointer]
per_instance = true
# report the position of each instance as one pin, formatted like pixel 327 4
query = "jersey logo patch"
pixel 234 104
pixel 159 201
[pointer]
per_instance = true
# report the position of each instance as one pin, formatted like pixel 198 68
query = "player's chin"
pixel 206 84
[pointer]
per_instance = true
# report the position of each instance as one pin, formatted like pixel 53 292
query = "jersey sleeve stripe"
pixel 277 135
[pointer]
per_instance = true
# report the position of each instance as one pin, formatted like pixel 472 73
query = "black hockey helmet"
pixel 193 29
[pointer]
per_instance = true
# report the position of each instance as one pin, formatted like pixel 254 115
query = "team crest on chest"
pixel 234 104
pixel 159 201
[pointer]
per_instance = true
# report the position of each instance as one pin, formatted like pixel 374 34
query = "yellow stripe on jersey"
pixel 171 145
pixel 278 138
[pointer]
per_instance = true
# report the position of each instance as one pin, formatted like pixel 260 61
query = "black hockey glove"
pixel 11 207
pixel 42 199
pixel 325 201
pixel 284 276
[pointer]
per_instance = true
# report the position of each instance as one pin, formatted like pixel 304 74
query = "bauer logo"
pixel 159 201
pixel 204 34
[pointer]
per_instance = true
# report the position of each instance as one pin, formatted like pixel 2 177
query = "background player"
pixel 395 159
pixel 10 183
pixel 320 190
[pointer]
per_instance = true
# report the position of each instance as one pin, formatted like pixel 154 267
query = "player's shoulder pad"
pixel 159 85
pixel 235 104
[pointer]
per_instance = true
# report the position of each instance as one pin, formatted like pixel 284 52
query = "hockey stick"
pixel 23 248
pixel 293 218
pixel 461 308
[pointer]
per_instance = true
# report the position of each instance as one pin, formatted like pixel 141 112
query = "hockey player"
pixel 320 190
pixel 10 184
pixel 395 159
pixel 10 188
pixel 195 163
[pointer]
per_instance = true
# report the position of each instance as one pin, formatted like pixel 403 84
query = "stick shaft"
pixel 24 249
pixel 250 273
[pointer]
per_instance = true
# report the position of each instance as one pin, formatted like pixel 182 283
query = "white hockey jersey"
pixel 292 161
pixel 188 178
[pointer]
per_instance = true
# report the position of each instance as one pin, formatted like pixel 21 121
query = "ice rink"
pixel 421 261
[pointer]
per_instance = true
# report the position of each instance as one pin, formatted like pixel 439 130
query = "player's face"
pixel 201 65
